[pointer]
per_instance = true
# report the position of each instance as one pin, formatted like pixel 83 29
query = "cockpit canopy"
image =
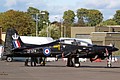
pixel 76 41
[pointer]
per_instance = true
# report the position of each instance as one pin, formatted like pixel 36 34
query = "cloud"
pixel 107 7
pixel 57 7
pixel 40 4
pixel 98 4
pixel 10 3
pixel 56 17
pixel 114 4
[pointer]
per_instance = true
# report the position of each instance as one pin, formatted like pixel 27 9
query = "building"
pixel 98 35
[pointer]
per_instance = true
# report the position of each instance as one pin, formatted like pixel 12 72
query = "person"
pixel 75 42
pixel 33 61
pixel 26 61
pixel 69 61
pixel 42 61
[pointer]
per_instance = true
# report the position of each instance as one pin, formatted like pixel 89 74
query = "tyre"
pixel 77 65
pixel 109 65
pixel 9 59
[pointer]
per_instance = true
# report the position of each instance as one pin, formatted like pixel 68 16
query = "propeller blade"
pixel 107 53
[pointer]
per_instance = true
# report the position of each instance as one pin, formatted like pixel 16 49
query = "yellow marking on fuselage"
pixel 57 46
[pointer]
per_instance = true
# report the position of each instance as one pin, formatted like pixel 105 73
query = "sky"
pixel 56 8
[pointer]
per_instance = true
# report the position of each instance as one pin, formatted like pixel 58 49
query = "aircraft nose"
pixel 115 49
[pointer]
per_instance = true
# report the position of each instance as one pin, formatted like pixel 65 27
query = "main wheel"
pixel 9 59
pixel 77 65
pixel 76 62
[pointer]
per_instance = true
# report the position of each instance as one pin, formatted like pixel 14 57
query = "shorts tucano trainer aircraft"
pixel 14 47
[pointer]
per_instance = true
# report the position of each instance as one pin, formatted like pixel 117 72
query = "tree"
pixel 82 16
pixel 53 31
pixel 89 17
pixel 42 16
pixel 68 17
pixel 32 11
pixel 94 17
pixel 117 17
pixel 108 22
pixel 19 20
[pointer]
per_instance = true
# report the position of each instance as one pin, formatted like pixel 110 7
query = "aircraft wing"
pixel 32 46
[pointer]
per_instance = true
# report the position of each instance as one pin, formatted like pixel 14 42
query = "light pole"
pixel 47 31
pixel 62 28
pixel 37 19
pixel 64 31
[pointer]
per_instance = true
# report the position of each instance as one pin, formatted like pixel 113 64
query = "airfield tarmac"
pixel 58 71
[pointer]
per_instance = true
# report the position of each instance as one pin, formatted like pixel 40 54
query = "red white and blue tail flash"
pixel 16 44
pixel 15 41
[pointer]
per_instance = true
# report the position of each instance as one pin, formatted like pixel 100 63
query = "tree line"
pixel 25 22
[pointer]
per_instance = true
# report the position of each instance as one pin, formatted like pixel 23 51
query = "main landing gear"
pixel 73 62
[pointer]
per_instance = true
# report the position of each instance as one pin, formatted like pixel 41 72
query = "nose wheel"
pixel 109 61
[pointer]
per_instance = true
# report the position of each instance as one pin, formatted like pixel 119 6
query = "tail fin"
pixel 12 40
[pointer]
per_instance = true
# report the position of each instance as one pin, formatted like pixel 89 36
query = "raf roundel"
pixel 46 51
